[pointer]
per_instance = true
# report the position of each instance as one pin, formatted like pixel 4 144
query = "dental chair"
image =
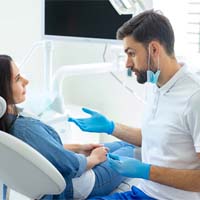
pixel 25 170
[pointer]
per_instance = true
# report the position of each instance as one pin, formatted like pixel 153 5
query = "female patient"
pixel 78 164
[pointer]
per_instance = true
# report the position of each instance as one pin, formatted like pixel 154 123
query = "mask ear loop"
pixel 158 62
pixel 148 62
pixel 158 68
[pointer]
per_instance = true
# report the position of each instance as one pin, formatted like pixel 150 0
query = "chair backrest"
pixel 2 106
pixel 26 171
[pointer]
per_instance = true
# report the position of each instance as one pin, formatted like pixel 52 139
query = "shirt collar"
pixel 167 86
pixel 11 119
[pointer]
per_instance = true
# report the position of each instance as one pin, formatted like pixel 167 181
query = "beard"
pixel 142 77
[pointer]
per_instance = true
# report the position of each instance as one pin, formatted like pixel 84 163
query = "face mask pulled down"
pixel 152 77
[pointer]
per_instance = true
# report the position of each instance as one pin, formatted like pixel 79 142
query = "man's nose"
pixel 129 63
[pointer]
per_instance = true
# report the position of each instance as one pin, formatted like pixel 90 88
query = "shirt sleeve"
pixel 39 137
pixel 192 118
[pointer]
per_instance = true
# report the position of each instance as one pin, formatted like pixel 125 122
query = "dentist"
pixel 170 133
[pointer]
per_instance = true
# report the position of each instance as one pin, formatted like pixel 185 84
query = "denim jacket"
pixel 45 140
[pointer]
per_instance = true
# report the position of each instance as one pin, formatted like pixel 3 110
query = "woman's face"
pixel 18 85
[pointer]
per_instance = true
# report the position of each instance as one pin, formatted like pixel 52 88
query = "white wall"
pixel 176 13
pixel 20 26
pixel 19 29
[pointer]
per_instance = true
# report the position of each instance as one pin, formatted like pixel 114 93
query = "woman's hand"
pixel 86 149
pixel 97 156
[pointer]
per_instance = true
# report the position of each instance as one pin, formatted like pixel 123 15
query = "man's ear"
pixel 154 48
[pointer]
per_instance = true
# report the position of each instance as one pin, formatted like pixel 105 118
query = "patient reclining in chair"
pixel 83 166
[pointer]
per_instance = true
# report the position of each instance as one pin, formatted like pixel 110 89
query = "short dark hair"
pixel 147 26
pixel 6 89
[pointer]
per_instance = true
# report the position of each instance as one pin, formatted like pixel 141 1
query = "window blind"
pixel 193 25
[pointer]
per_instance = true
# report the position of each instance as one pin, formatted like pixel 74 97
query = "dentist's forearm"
pixel 177 178
pixel 128 134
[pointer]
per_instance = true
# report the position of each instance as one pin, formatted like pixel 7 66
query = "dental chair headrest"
pixel 2 106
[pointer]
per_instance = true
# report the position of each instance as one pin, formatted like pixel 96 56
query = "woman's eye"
pixel 18 78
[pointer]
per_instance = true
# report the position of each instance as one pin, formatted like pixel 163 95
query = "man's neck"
pixel 169 67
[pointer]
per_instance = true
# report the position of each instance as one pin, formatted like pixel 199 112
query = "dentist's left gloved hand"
pixel 129 167
pixel 96 123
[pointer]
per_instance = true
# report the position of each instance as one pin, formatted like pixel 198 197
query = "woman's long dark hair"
pixel 6 90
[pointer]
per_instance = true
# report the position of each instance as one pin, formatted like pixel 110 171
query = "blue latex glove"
pixel 129 167
pixel 96 123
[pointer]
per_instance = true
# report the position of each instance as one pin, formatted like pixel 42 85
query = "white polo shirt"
pixel 171 132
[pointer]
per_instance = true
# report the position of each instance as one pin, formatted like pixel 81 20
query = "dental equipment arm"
pixel 66 71
pixel 99 123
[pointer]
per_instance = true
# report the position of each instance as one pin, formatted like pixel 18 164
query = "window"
pixel 193 25
pixel 185 18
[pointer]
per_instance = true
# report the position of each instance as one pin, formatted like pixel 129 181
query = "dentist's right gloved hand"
pixel 129 167
pixel 96 123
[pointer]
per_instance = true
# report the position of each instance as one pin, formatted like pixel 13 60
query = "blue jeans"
pixel 135 193
pixel 106 178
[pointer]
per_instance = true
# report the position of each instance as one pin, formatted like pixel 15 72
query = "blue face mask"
pixel 152 77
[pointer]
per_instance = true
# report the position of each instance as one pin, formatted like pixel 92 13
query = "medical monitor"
pixel 91 20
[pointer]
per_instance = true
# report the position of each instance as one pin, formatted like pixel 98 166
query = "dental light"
pixel 124 7
pixel 127 7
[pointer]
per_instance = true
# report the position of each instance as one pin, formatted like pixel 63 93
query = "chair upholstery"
pixel 26 171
